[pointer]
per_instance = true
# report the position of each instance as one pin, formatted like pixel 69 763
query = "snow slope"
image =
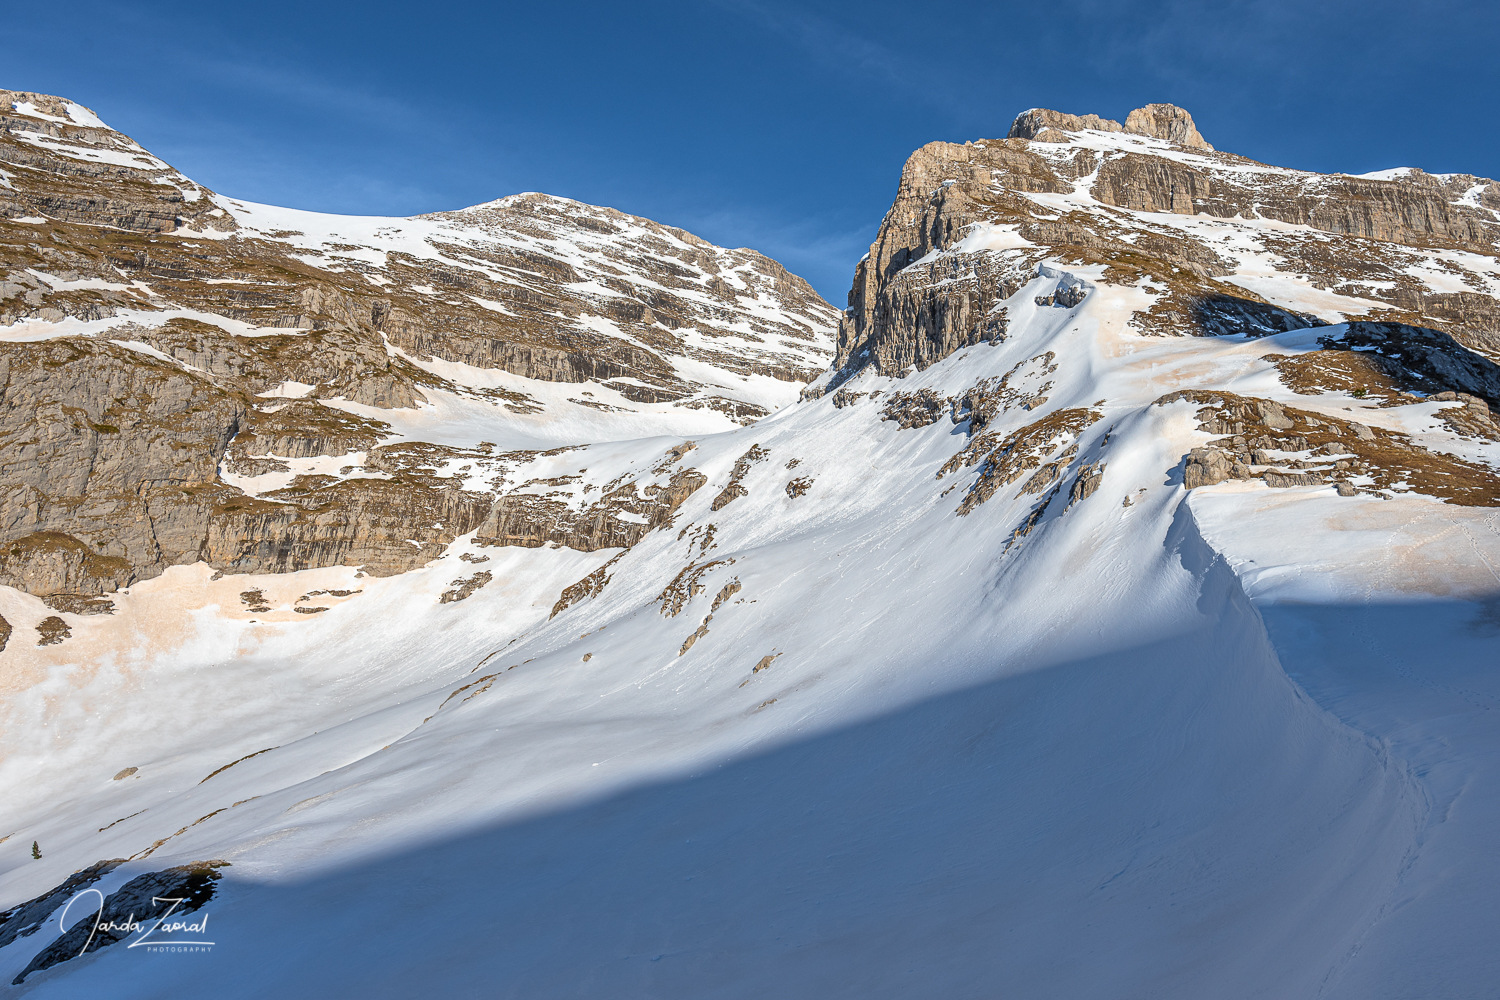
pixel 1235 742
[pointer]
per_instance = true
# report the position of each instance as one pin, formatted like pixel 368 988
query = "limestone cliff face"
pixel 1052 190
pixel 1166 121
pixel 108 463
pixel 187 377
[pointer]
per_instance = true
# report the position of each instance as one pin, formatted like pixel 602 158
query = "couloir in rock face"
pixel 186 377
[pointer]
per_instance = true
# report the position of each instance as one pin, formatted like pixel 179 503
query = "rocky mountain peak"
pixel 1166 121
pixel 985 214
pixel 49 107
pixel 1160 121
pixel 1043 124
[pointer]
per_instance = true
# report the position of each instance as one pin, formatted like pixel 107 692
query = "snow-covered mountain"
pixel 288 390
pixel 1115 615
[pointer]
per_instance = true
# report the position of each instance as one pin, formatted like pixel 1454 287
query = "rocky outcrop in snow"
pixel 1160 121
pixel 145 900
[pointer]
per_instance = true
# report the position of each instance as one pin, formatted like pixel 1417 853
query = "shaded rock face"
pixel 168 357
pixel 971 223
pixel 25 919
pixel 130 911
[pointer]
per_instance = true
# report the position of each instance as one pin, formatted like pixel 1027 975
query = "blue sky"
pixel 755 123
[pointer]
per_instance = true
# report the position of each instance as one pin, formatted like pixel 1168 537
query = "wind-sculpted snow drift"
pixel 1117 615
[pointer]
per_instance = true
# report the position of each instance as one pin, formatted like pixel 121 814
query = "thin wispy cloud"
pixel 332 93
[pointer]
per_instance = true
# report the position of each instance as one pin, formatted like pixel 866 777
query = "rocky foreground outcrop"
pixel 141 907
pixel 164 350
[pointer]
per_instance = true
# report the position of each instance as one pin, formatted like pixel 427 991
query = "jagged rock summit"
pixel 1160 121
pixel 93 174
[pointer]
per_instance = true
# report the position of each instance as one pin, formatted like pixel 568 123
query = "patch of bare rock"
pixel 1283 446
